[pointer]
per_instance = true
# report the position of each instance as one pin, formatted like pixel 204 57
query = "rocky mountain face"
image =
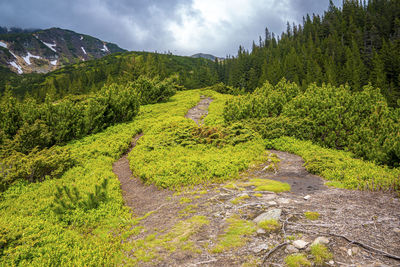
pixel 207 56
pixel 43 51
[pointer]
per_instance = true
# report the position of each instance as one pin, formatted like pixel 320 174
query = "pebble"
pixel 272 203
pixel 331 262
pixel 300 244
pixel 396 230
pixel 307 197
pixel 349 252
pixel 321 240
pixel 261 231
pixel 273 214
pixel 355 250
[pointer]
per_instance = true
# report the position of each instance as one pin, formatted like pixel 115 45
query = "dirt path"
pixel 198 112
pixel 370 218
pixel 139 197
pixel 291 171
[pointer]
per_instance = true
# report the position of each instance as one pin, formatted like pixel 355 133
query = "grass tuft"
pixel 321 254
pixel 297 260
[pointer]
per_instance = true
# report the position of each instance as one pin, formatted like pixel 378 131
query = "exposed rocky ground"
pixel 358 228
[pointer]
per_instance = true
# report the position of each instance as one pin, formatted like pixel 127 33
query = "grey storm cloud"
pixel 182 27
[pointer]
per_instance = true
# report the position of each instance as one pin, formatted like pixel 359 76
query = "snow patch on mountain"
pixel 81 38
pixel 27 58
pixel 53 62
pixel 83 49
pixel 51 46
pixel 18 67
pixel 105 48
pixel 3 44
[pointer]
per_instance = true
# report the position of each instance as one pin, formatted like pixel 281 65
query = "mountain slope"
pixel 46 50
pixel 206 56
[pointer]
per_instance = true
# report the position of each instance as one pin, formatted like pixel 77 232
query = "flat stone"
pixel 300 244
pixel 290 249
pixel 273 214
pixel 321 240
pixel 307 197
pixel 261 231
pixel 272 203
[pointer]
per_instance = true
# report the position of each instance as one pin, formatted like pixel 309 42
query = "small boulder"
pixel 321 240
pixel 307 197
pixel 273 214
pixel 300 244
pixel 272 203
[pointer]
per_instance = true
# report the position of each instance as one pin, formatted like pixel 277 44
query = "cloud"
pixel 182 27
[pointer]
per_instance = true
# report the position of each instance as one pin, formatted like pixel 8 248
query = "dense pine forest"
pixel 283 132
pixel 355 45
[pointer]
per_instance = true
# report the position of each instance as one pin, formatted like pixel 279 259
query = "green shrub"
pixel 336 117
pixel 35 166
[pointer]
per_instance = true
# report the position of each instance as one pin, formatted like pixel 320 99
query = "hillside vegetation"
pixel 356 44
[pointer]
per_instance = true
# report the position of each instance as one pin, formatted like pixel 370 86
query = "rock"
pixel 321 240
pixel 396 230
pixel 283 201
pixel 331 262
pixel 244 195
pixel 349 252
pixel 290 249
pixel 355 250
pixel 307 197
pixel 272 203
pixel 273 214
pixel 300 244
pixel 261 231
pixel 259 248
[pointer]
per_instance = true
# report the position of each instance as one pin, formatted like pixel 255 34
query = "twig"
pixel 273 250
pixel 368 247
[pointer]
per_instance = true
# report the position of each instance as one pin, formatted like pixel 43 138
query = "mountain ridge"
pixel 42 51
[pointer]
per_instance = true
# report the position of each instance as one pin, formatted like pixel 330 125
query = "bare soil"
pixel 370 218
pixel 198 112
pixel 291 171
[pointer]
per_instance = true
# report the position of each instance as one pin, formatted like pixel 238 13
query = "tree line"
pixel 355 45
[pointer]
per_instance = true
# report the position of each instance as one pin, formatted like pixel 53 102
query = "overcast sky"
pixel 184 27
